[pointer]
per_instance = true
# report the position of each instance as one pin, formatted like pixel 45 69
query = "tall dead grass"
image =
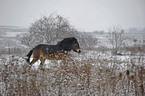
pixel 85 77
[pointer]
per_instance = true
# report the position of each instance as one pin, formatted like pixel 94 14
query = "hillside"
pixel 9 37
pixel 12 29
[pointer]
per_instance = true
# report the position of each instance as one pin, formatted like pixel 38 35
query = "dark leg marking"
pixel 42 59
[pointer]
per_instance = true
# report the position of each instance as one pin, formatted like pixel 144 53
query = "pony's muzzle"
pixel 78 50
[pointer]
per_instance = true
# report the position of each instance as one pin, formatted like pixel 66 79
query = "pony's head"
pixel 69 44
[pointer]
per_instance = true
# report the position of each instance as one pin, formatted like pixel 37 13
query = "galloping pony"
pixel 53 52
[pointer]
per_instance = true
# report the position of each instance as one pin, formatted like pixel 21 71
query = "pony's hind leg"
pixel 33 61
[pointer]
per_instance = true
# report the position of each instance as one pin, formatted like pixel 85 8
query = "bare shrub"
pixel 116 38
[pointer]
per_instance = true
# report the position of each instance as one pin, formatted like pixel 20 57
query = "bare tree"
pixel 116 38
pixel 51 29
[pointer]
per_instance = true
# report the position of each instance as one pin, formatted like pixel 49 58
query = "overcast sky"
pixel 85 15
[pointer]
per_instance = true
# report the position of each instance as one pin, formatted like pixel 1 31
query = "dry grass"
pixel 88 77
pixel 136 50
pixel 12 51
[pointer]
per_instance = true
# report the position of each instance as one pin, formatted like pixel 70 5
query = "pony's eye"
pixel 76 45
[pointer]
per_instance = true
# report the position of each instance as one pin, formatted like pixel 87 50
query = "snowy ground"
pixel 88 73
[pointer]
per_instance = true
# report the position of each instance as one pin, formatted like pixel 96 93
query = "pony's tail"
pixel 29 55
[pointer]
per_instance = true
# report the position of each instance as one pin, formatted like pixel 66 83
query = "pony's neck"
pixel 63 48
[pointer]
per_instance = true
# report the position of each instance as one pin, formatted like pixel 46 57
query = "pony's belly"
pixel 57 56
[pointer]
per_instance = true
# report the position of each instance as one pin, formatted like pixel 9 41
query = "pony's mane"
pixel 66 40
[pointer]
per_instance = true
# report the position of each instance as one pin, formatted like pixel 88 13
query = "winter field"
pixel 94 72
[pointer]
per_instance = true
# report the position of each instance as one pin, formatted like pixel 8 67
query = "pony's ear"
pixel 59 42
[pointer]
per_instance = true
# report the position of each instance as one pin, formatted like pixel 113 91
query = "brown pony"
pixel 53 52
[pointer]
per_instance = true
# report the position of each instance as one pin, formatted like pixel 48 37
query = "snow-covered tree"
pixel 51 29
